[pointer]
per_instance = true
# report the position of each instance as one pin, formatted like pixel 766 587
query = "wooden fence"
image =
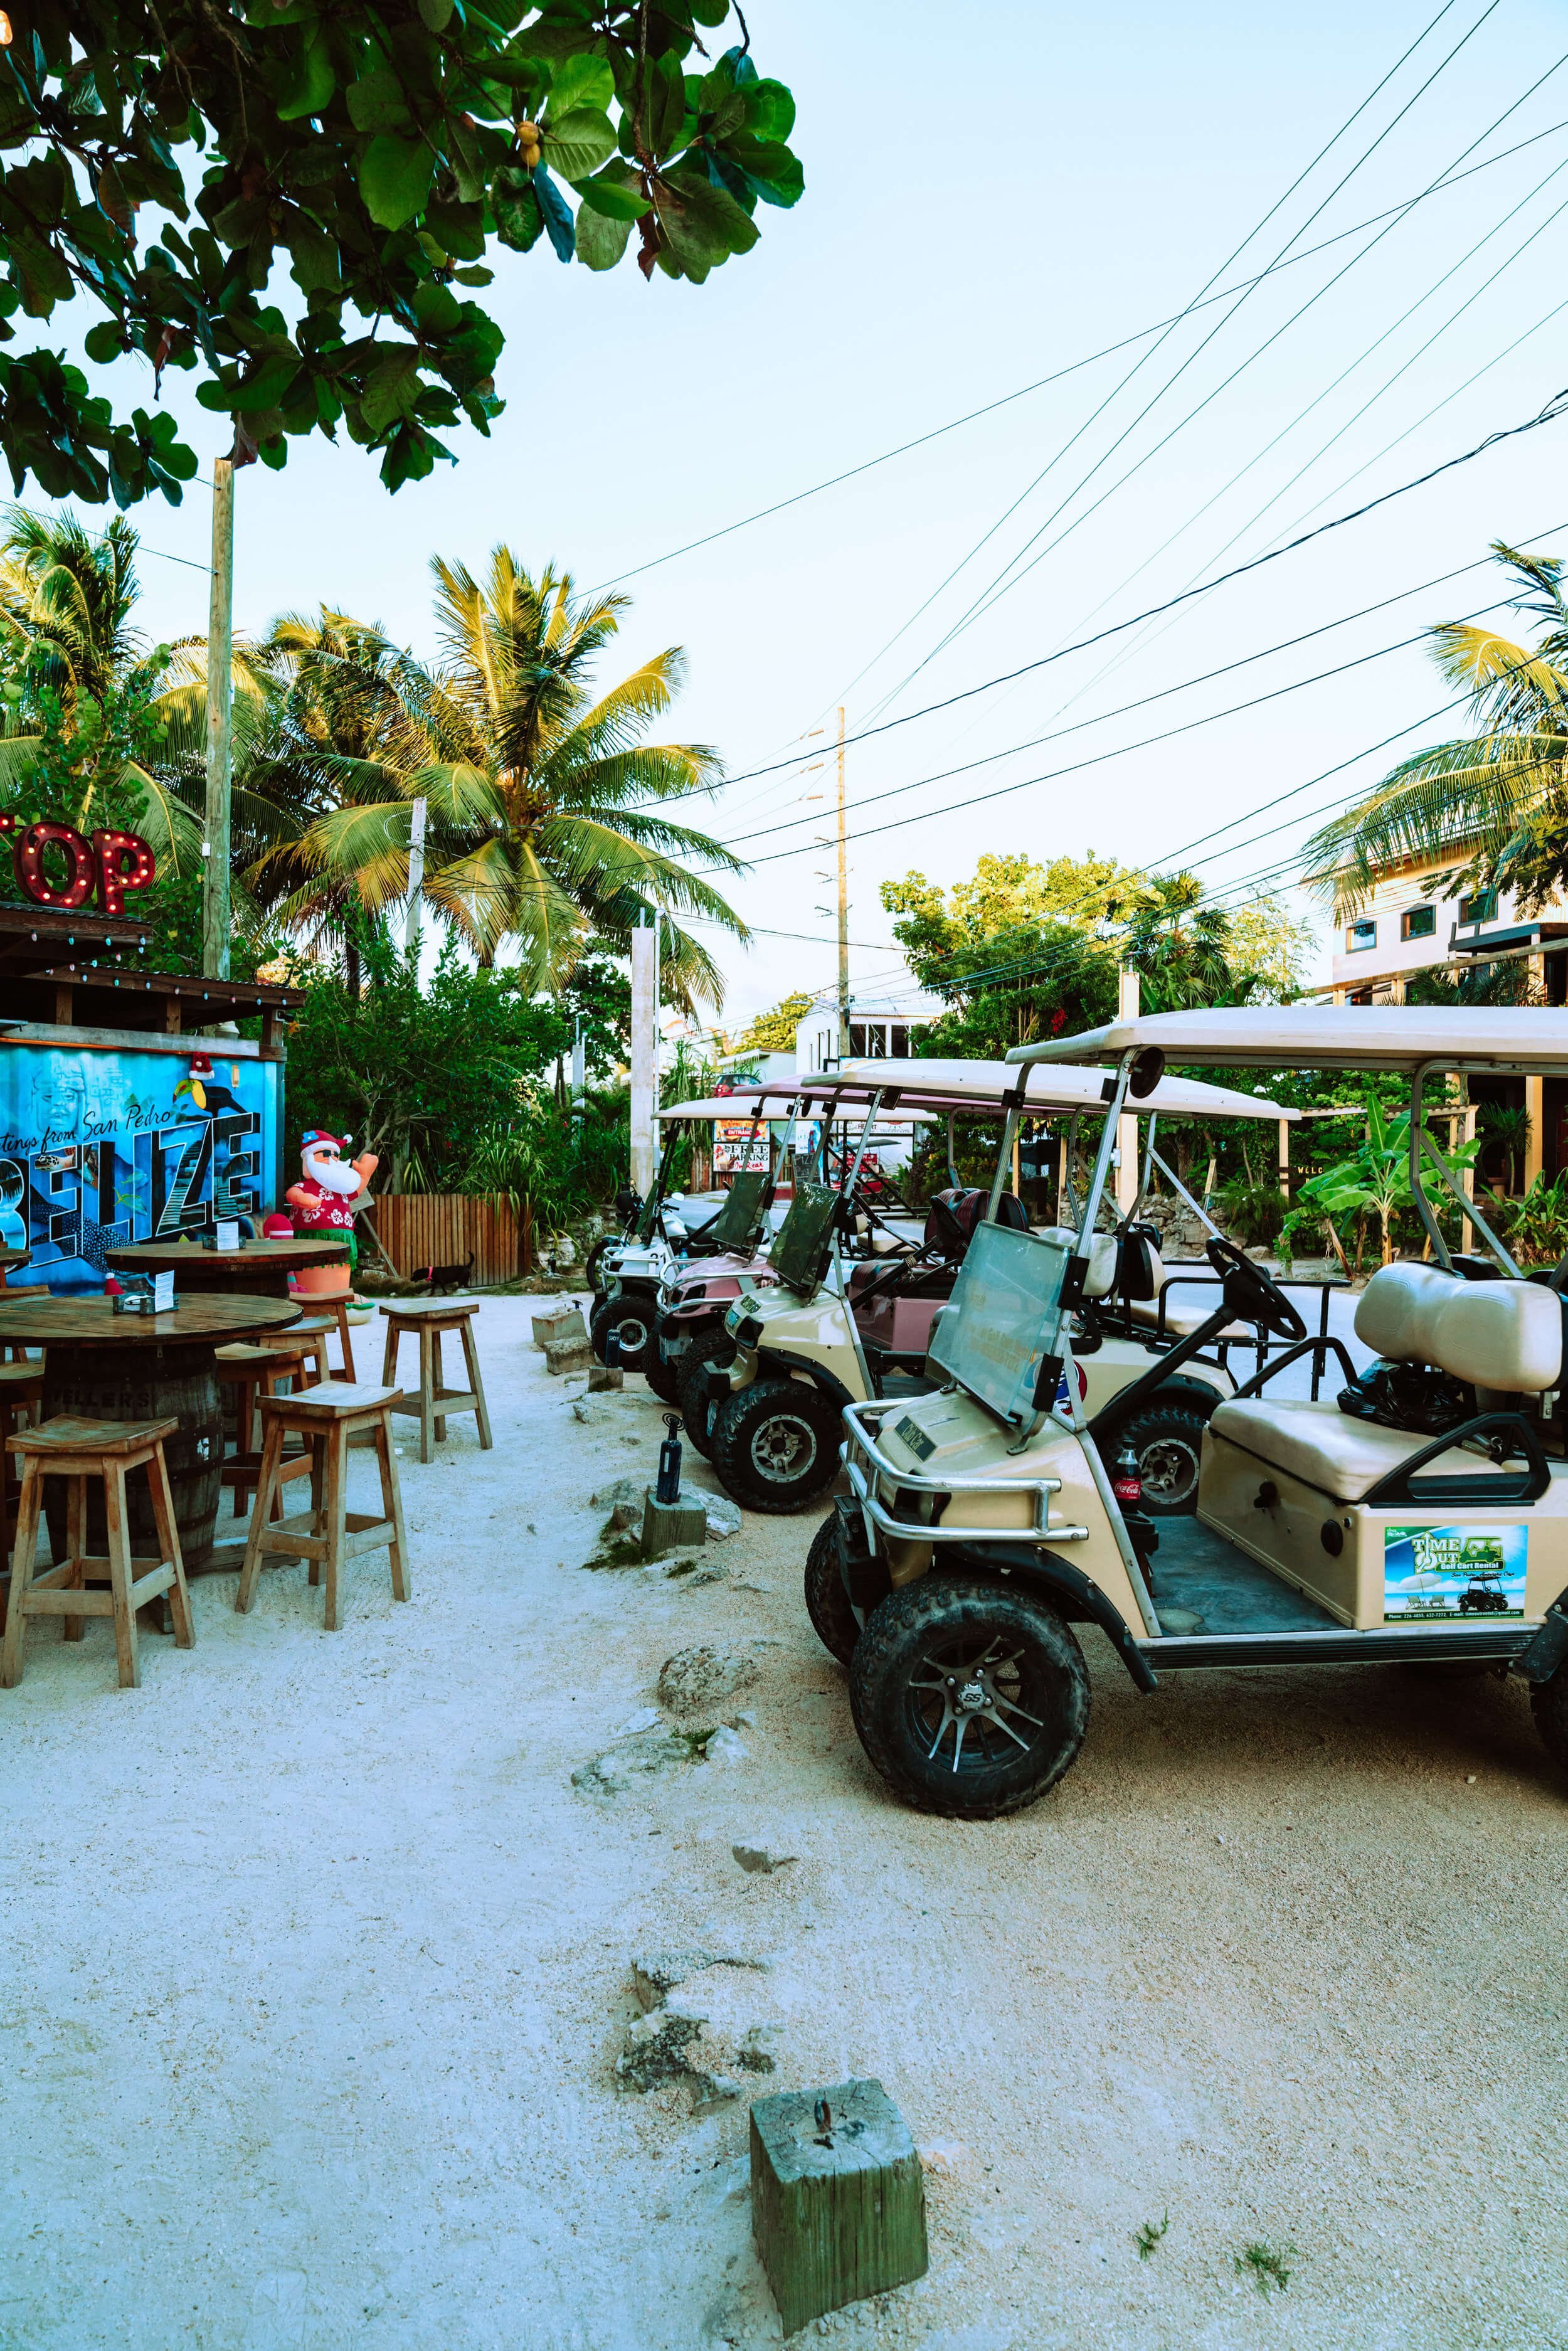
pixel 420 1228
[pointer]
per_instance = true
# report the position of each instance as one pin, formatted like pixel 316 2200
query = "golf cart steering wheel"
pixel 1254 1296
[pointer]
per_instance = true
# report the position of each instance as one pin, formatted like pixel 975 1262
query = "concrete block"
pixel 568 1356
pixel 838 2197
pixel 668 1526
pixel 560 1323
pixel 604 1375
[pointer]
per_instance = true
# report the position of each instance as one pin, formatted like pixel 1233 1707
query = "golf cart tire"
pixel 661 1376
pixel 1168 1438
pixel 796 1413
pixel 698 1407
pixel 914 1748
pixel 827 1603
pixel 617 1314
pixel 593 1261
pixel 1548 1704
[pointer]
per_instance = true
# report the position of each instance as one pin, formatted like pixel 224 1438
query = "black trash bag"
pixel 1408 1396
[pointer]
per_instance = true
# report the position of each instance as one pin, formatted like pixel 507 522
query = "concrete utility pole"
pixel 579 1070
pixel 219 652
pixel 644 1075
pixel 415 875
pixel 843 911
pixel 1126 1127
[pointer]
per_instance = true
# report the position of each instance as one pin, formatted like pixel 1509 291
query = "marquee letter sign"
pixel 115 861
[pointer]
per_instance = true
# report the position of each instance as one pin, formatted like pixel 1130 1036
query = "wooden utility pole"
pixel 220 655
pixel 843 910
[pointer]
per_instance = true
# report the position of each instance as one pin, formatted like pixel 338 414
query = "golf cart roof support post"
pixel 1012 1101
pixel 1468 1206
pixel 1069 1146
pixel 1146 1174
pixel 1097 1181
pixel 1423 1205
pixel 1172 1179
pixel 953 1175
pixel 872 1109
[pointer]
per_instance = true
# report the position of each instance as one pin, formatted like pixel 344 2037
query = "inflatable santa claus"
pixel 322 1204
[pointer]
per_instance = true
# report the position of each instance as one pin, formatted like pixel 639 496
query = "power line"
pixel 1001 585
pixel 1074 367
pixel 1548 414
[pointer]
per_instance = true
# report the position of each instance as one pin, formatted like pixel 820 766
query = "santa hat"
pixel 318 1135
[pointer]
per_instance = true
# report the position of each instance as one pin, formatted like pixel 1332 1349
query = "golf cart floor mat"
pixel 1198 1570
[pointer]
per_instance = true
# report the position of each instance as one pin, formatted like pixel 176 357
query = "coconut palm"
pixel 106 728
pixel 1495 798
pixel 545 818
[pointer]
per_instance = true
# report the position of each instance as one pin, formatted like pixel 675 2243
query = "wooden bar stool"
pixel 435 1404
pixel 21 1400
pixel 250 1373
pixel 328 1417
pixel 310 1335
pixel 67 1447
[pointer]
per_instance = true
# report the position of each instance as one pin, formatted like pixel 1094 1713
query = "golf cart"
pixel 800 1354
pixel 984 1523
pixel 626 1274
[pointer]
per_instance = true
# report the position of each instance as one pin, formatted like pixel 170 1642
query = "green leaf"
pixel 663 108
pixel 704 224
pixel 577 144
pixel 615 195
pixel 582 81
pixel 391 388
pixel 376 102
pixel 769 109
pixel 436 15
pixel 438 311
pixel 105 342
pixel 475 277
pixel 601 241
pixel 315 258
pixel 558 215
pixel 709 12
pixel 311 87
pixel 394 179
pixel 519 218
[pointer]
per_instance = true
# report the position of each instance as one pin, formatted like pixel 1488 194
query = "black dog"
pixel 446 1277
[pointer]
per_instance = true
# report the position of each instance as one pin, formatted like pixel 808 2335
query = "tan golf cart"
pixel 1423 1519
pixel 825 1337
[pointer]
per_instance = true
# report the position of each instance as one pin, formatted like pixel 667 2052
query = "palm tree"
pixel 1181 948
pixel 1494 799
pixel 104 728
pixel 546 821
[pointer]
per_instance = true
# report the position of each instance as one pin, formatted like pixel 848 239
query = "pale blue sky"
pixel 990 195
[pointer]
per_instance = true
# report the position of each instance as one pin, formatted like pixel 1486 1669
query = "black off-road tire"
pixel 1168 1441
pixel 921 1649
pixel 827 1603
pixel 698 1411
pixel 634 1318
pixel 659 1375
pixel 776 1444
pixel 1548 1704
pixel 591 1262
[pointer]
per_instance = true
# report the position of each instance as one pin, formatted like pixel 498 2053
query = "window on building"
pixel 1359 935
pixel 1418 923
pixel 1481 907
pixel 898 1047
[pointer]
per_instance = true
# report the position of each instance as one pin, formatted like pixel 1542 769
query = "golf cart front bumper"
pixel 883 1488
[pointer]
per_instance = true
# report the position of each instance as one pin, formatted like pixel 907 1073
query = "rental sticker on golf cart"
pixel 1443 1575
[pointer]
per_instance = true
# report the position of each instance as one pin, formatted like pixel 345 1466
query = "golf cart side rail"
pixel 868 1496
pixel 1317 1345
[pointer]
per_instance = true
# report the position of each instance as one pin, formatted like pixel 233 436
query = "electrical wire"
pixel 1001 585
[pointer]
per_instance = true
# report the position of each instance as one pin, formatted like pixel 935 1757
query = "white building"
pixel 1411 922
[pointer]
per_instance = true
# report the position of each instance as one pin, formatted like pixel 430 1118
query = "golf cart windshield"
pixel 799 1254
pixel 740 1218
pixel 1005 1318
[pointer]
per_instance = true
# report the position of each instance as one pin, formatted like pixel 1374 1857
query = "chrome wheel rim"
pixel 783 1447
pixel 966 1699
pixel 1168 1468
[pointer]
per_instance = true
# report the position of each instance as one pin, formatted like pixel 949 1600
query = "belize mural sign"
pixel 101 1146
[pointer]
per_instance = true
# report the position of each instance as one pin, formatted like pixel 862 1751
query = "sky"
pixel 993 196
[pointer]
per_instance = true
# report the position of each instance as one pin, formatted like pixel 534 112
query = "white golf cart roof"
pixel 1511 1040
pixel 983 1082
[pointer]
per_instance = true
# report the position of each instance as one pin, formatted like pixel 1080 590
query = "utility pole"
pixel 415 875
pixel 843 911
pixel 220 654
pixel 579 1070
pixel 644 996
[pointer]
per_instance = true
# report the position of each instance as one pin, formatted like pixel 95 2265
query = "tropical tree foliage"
pixel 374 155
pixel 1370 1188
pixel 1494 799
pixel 774 1032
pixel 545 816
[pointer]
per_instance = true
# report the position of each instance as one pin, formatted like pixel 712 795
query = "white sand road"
pixel 315 1970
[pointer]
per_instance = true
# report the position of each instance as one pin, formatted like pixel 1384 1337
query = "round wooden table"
pixel 255 1270
pixel 109 1366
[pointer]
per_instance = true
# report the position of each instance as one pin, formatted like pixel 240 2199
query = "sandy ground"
pixel 317 1970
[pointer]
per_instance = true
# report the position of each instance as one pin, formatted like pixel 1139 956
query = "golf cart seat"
pixel 1504 1338
pixel 1141 1278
